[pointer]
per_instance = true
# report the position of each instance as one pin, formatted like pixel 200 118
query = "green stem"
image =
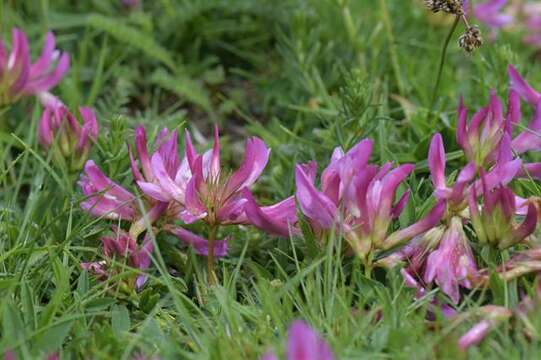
pixel 368 266
pixel 386 17
pixel 210 257
pixel 442 63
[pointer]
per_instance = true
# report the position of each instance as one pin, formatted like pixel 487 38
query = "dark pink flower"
pixel 357 199
pixel 19 77
pixel 213 195
pixel 303 344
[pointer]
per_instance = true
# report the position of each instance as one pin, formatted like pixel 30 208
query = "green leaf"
pixel 51 339
pixel 120 319
pixel 132 37
pixel 99 304
pixel 12 325
pixel 82 283
pixel 184 87
pixel 27 299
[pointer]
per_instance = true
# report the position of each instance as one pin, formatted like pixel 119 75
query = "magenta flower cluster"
pixel 174 187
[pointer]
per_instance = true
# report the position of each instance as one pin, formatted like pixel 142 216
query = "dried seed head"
pixel 454 7
pixel 471 39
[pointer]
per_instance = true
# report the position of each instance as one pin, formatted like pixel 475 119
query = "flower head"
pixel 357 199
pixel 214 196
pixel 303 344
pixel 494 222
pixel 502 172
pixel 19 77
pixel 59 127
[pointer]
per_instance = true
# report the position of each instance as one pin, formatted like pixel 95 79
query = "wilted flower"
pixel 492 316
pixel 452 264
pixel 122 246
pixel 303 344
pixel 455 7
pixel 60 131
pixel 18 77
pixel 494 222
pixel 523 262
pixel 358 200
pixel 471 39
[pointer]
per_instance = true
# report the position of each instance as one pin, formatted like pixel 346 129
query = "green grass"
pixel 305 76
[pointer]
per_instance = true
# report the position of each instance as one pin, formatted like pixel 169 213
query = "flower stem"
pixel 210 257
pixel 442 63
pixel 368 266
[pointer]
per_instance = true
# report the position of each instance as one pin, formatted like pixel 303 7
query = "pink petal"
pixel 475 335
pixel 199 244
pixel 521 87
pixel 315 205
pixel 256 155
pixel 166 182
pixel 305 344
pixel 436 161
pixel 530 138
pixel 430 220
pixel 142 152
pixel 276 219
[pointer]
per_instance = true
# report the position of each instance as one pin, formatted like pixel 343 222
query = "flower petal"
pixel 436 161
pixel 522 87
pixel 314 205
pixel 277 219
pixel 256 155
pixel 199 244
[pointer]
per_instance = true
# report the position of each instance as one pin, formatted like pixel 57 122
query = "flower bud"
pixel 59 131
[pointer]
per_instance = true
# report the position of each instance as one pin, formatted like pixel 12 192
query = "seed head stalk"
pixel 442 62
